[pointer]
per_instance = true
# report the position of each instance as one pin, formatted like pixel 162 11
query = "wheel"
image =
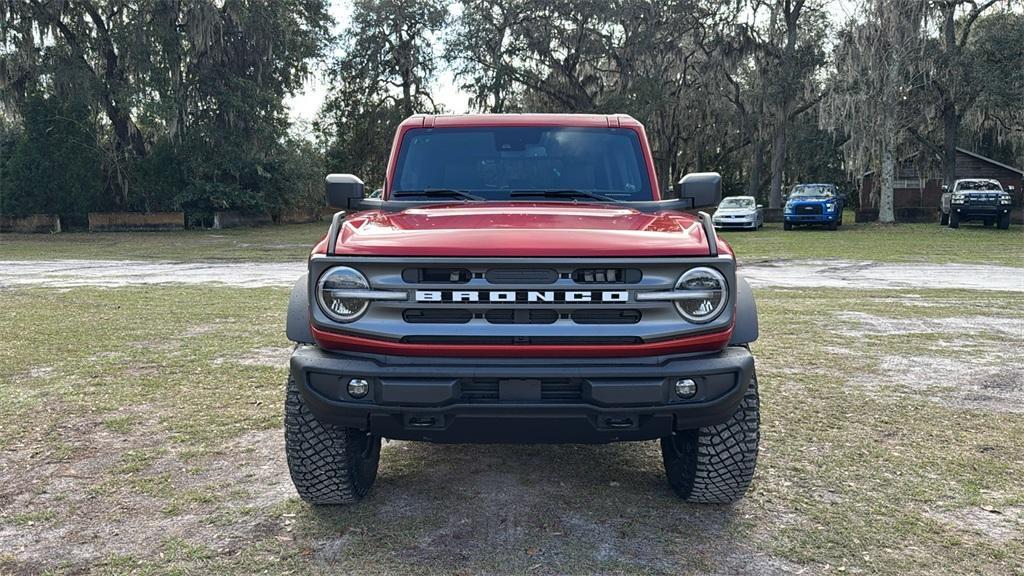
pixel 1004 221
pixel 328 464
pixel 954 219
pixel 840 218
pixel 833 225
pixel 943 218
pixel 715 464
pixel 787 225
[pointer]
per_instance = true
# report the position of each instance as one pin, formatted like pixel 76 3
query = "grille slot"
pixel 521 276
pixel 606 316
pixel 551 390
pixel 607 275
pixel 521 316
pixel 436 275
pixel 437 316
pixel 809 209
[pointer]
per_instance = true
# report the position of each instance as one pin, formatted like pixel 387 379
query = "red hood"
pixel 509 229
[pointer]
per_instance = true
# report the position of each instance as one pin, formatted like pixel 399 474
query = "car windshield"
pixel 812 191
pixel 978 185
pixel 524 163
pixel 737 202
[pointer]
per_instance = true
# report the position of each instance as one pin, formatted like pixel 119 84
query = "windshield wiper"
pixel 561 194
pixel 436 193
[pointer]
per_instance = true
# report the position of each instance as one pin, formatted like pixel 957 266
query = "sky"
pixel 304 106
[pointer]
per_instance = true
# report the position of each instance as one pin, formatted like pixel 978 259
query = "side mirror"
pixel 760 206
pixel 945 188
pixel 701 189
pixel 344 191
pixel 1010 189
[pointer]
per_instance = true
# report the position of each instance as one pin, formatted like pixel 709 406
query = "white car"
pixel 739 212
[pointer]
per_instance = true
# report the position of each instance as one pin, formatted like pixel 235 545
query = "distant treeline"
pixel 162 105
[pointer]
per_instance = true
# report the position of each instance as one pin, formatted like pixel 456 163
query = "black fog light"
pixel 686 388
pixel 358 387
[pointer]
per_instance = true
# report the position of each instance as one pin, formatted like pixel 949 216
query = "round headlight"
pixel 331 289
pixel 708 294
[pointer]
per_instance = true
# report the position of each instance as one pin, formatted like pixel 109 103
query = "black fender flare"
pixel 297 324
pixel 746 329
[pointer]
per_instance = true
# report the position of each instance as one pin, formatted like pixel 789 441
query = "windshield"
pixel 978 185
pixel 502 162
pixel 737 202
pixel 812 191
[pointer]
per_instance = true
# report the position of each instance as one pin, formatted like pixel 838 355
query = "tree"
pixel 201 82
pixel 649 59
pixel 51 162
pixel 955 76
pixel 878 74
pixel 381 77
pixel 994 125
pixel 482 47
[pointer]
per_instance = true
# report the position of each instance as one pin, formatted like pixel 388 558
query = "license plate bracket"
pixel 519 389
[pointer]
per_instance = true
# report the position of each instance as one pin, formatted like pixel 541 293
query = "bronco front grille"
pixel 527 301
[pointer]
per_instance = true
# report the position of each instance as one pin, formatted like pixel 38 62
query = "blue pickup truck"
pixel 813 204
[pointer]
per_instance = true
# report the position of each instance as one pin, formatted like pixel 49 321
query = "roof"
pixel 573 120
pixel 969 153
pixel 990 161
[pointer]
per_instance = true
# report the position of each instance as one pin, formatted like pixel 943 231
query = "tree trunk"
pixel 951 133
pixel 778 165
pixel 885 200
pixel 756 167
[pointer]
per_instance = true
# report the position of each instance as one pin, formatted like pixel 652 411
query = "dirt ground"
pixel 140 432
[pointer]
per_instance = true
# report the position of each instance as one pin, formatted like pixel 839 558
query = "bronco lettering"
pixel 512 296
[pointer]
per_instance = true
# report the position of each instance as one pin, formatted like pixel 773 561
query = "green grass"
pixel 146 422
pixel 291 242
pixel 898 243
pixel 970 243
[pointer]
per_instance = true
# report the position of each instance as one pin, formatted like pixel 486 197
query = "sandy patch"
pixel 882 275
pixel 860 324
pixel 273 356
pixel 87 513
pixel 998 524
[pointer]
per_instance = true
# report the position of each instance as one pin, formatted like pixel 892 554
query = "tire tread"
pixel 715 464
pixel 326 462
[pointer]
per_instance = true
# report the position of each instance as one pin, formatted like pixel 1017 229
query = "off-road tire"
pixel 328 464
pixel 715 464
pixel 954 220
pixel 943 218
pixel 787 225
pixel 1004 221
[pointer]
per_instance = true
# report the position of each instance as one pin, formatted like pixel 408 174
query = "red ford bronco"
pixel 520 279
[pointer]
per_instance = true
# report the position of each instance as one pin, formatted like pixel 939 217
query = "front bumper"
pixel 982 211
pixel 726 223
pixel 522 400
pixel 811 218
